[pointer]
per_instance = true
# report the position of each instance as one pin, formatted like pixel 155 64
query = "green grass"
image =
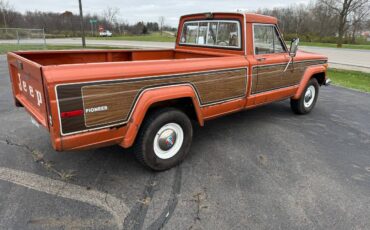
pixel 332 45
pixel 4 48
pixel 350 79
pixel 153 37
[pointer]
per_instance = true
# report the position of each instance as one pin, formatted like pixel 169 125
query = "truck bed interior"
pixel 46 58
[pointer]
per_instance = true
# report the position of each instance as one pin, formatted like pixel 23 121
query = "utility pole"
pixel 4 18
pixel 82 25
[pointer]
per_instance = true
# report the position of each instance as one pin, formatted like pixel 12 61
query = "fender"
pixel 310 71
pixel 151 96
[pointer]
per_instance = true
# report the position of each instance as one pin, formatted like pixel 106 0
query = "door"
pixel 271 57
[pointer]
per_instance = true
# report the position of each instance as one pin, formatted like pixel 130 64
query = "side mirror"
pixel 294 47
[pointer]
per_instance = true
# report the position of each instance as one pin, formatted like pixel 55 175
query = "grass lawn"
pixel 332 45
pixel 4 48
pixel 350 79
pixel 154 37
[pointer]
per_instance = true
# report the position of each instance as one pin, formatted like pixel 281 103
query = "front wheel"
pixel 164 139
pixel 308 99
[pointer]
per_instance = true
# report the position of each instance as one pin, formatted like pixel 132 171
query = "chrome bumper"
pixel 327 82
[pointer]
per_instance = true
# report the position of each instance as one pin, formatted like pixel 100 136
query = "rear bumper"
pixel 89 140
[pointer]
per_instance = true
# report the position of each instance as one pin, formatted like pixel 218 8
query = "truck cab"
pixel 256 37
pixel 221 63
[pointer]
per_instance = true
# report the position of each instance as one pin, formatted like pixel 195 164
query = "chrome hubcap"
pixel 168 141
pixel 309 96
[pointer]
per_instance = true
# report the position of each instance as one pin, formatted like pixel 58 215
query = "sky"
pixel 143 10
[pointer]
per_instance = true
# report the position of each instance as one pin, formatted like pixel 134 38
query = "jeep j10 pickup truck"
pixel 222 63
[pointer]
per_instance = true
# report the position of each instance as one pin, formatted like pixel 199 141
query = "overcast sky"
pixel 136 10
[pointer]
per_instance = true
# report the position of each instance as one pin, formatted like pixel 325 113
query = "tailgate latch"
pixel 19 65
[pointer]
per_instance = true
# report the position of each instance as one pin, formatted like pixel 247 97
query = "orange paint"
pixel 45 71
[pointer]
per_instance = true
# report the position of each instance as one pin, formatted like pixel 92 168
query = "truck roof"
pixel 250 17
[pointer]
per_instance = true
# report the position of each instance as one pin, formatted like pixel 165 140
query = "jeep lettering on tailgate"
pixel 30 90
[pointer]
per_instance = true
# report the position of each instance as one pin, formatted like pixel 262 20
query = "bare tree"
pixel 325 20
pixel 343 8
pixel 161 23
pixel 358 20
pixel 110 14
pixel 5 7
pixel 301 15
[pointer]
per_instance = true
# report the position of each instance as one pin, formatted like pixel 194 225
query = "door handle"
pixel 261 59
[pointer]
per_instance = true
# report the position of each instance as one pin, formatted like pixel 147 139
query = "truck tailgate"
pixel 28 89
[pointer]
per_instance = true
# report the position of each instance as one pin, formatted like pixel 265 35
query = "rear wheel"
pixel 164 139
pixel 308 99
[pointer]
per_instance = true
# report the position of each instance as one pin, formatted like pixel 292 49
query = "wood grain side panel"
pixel 69 99
pixel 293 75
pixel 270 77
pixel 119 97
pixel 254 80
pixel 216 87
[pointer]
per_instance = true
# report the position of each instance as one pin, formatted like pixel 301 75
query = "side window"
pixel 279 47
pixel 266 40
pixel 212 33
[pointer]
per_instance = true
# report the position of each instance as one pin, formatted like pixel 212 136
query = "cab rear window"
pixel 216 33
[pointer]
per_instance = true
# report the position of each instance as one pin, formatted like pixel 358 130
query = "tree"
pixel 343 8
pixel 110 14
pixel 358 20
pixel 301 16
pixel 5 7
pixel 152 26
pixel 322 13
pixel 161 23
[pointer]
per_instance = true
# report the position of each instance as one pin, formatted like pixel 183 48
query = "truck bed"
pixel 46 58
pixel 43 80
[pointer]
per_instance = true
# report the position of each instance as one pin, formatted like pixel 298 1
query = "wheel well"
pixel 184 104
pixel 320 77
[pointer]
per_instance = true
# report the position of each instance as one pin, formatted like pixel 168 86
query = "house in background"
pixel 366 34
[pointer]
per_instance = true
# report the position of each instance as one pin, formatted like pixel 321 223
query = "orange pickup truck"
pixel 222 63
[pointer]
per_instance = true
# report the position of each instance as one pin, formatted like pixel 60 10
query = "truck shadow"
pixel 123 160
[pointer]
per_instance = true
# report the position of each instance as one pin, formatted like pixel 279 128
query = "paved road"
pixel 350 59
pixel 261 169
pixel 77 41
pixel 338 58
